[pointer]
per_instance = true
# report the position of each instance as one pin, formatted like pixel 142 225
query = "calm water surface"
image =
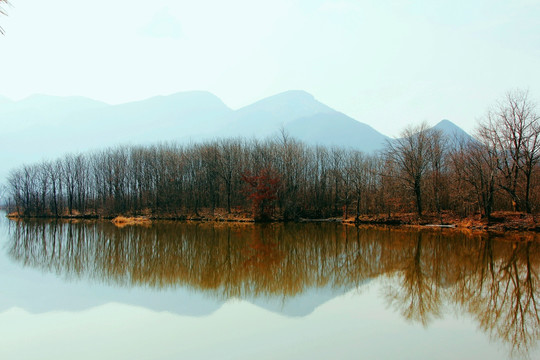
pixel 90 290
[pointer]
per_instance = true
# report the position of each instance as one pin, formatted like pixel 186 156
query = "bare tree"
pixel 438 155
pixel 360 170
pixel 474 165
pixel 411 155
pixel 514 127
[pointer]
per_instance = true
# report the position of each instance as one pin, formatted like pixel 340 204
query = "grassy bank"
pixel 500 221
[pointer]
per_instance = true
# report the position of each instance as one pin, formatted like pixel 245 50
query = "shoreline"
pixel 500 222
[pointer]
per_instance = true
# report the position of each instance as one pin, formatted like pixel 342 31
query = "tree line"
pixel 424 170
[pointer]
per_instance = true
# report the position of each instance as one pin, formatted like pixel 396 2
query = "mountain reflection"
pixel 495 279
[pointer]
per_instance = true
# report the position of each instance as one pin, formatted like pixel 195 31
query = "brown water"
pixel 177 290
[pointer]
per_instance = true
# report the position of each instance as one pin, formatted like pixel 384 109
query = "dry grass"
pixel 501 221
pixel 221 215
pixel 123 221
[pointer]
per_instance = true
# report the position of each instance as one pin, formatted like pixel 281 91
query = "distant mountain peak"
pixel 446 124
pixel 293 94
pixel 267 115
pixel 287 97
pixel 192 94
pixel 453 131
pixel 298 102
pixel 186 99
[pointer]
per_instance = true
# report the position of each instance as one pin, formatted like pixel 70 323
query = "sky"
pixel 384 63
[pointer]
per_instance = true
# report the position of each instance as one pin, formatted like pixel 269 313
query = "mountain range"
pixel 44 127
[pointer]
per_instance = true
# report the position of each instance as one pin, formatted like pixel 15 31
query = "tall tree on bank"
pixel 438 148
pixel 262 189
pixel 514 126
pixel 410 154
pixel 475 163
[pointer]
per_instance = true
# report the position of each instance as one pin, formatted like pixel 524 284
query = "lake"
pixel 91 290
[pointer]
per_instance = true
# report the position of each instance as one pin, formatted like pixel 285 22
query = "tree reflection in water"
pixel 416 292
pixel 494 279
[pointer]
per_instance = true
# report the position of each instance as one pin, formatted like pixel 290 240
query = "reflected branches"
pixel 506 305
pixel 495 280
pixel 417 295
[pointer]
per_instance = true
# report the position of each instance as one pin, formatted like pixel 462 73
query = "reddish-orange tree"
pixel 262 190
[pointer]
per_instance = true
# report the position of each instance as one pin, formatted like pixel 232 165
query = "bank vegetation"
pixel 427 173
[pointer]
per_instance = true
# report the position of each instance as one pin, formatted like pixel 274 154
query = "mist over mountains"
pixel 45 127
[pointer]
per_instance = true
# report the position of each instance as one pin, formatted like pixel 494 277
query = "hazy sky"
pixel 385 63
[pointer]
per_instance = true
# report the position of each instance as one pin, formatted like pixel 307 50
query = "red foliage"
pixel 262 255
pixel 262 190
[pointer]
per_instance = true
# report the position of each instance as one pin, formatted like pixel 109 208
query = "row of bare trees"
pixel 173 180
pixel 423 170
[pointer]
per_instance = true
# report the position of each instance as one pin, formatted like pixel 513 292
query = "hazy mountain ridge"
pixel 45 127
pixel 336 129
pixel 270 114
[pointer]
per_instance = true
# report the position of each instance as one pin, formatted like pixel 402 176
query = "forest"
pixel 424 171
